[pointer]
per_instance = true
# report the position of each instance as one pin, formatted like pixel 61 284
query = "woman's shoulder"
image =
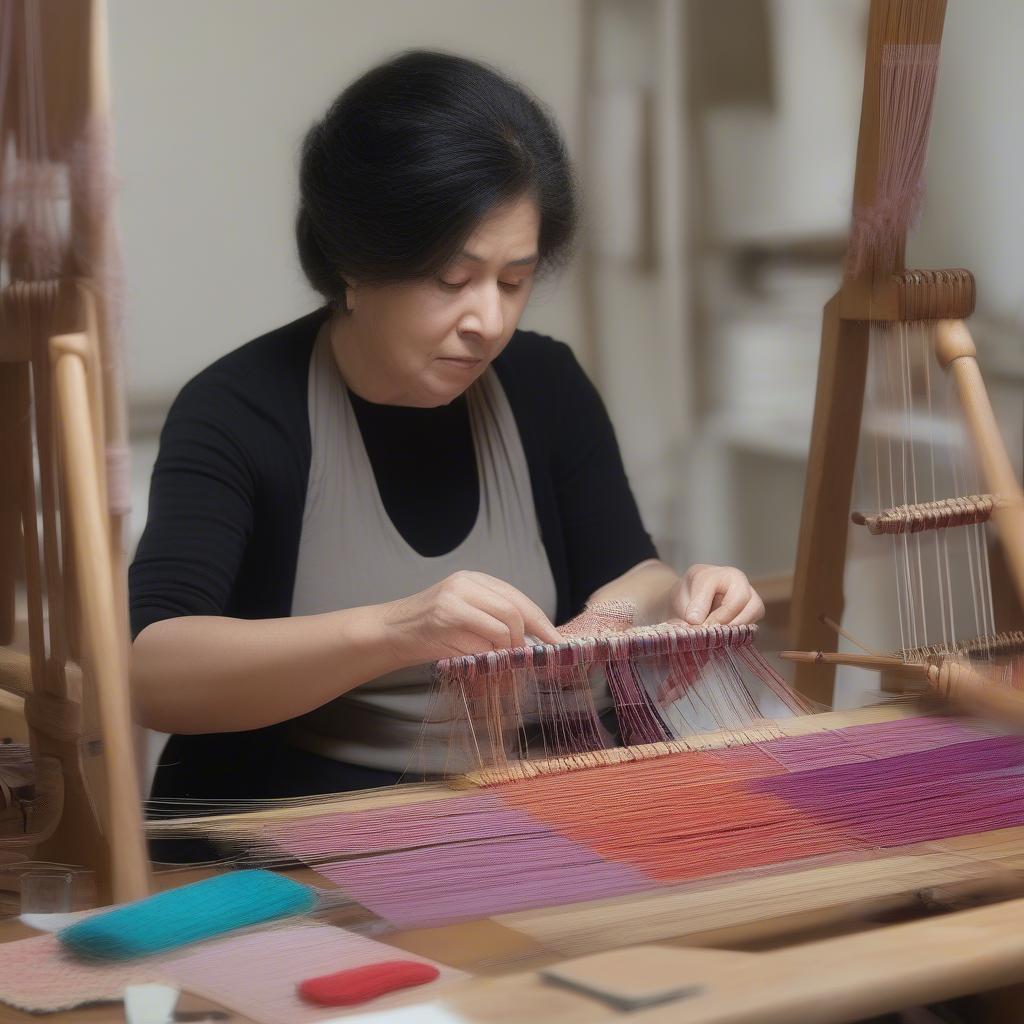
pixel 537 360
pixel 267 369
pixel 253 400
pixel 531 346
pixel 541 372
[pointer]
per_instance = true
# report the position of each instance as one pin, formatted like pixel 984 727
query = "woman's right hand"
pixel 467 613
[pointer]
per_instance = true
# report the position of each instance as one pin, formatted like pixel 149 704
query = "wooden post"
pixel 824 521
pixel 956 353
pixel 842 368
pixel 103 639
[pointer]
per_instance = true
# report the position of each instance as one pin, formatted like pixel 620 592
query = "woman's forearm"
pixel 198 674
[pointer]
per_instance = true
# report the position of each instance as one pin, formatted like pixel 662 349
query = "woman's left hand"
pixel 709 595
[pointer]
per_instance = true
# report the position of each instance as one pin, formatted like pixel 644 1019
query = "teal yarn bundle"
pixel 203 910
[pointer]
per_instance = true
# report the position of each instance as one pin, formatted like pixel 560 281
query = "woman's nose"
pixel 486 316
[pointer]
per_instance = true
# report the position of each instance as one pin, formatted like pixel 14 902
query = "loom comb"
pixel 659 679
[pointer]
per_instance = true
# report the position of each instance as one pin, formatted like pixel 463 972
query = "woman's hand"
pixel 709 595
pixel 467 613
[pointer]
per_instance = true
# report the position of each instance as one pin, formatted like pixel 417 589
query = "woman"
pixel 400 476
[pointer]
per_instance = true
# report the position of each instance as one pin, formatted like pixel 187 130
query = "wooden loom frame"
pixel 876 294
pixel 61 408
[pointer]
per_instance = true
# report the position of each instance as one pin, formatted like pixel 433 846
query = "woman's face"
pixel 422 343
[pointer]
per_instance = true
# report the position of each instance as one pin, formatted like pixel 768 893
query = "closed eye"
pixel 454 286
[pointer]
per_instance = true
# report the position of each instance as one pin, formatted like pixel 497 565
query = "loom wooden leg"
pixel 106 646
pixel 956 352
pixel 821 551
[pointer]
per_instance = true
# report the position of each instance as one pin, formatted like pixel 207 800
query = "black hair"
pixel 408 160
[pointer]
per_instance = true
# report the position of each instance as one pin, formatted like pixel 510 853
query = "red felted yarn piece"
pixel 361 984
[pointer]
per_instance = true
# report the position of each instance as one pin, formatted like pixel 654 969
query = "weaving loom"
pixel 729 816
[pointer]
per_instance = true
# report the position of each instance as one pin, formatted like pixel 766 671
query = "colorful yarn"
pixel 178 917
pixel 683 817
pixel 361 984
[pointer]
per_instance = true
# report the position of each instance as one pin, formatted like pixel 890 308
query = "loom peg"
pixel 930 515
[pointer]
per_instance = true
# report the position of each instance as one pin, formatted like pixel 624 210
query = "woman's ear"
pixel 347 298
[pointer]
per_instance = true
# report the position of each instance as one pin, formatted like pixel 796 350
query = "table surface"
pixel 464 946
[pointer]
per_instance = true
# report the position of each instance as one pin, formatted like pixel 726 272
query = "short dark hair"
pixel 408 160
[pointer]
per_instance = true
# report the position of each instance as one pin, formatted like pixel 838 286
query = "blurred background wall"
pixel 715 142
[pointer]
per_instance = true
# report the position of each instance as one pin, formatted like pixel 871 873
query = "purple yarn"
pixel 440 885
pixel 954 790
pixel 456 820
pixel 867 742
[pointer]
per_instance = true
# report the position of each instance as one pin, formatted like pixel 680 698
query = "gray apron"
pixel 351 554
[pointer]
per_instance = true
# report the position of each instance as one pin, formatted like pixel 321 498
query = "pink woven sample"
pixel 38 975
pixel 603 617
pixel 257 974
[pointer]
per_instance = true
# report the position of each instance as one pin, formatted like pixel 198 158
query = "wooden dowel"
pixel 105 643
pixel 870 661
pixel 968 689
pixel 956 352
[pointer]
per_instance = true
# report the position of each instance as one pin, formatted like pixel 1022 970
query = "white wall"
pixel 211 100
pixel 974 207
